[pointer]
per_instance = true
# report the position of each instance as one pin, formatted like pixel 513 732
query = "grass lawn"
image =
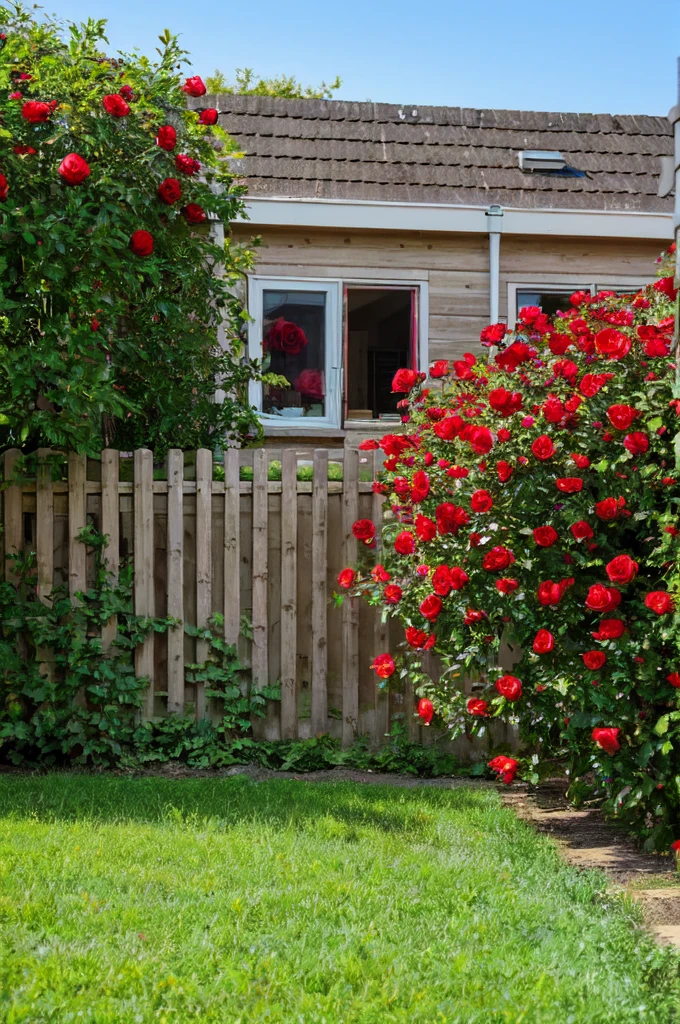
pixel 167 902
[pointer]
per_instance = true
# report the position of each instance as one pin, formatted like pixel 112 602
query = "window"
pixel 553 297
pixel 336 347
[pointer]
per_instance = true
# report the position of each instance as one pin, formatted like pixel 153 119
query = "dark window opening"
pixel 549 302
pixel 379 341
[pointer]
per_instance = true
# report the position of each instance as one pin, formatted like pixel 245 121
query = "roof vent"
pixel 541 160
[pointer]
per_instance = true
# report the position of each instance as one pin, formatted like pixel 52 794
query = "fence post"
pixel 260 653
pixel 289 594
pixel 77 520
pixel 203 561
pixel 44 525
pixel 382 696
pixel 232 547
pixel 350 605
pixel 110 526
pixel 319 609
pixel 175 575
pixel 143 561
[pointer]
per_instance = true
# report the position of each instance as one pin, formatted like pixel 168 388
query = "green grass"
pixel 167 902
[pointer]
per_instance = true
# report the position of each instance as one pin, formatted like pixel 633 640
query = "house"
pixel 393 234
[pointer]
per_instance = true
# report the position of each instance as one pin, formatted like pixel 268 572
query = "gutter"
pixel 494 220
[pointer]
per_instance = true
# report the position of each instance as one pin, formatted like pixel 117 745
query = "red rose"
pixel 480 439
pixel 126 92
pixel 543 448
pixel 505 402
pixel 581 530
pixel 636 443
pixel 448 428
pixel 545 536
pixel 425 529
pixel 36 112
pixel 450 517
pixel 346 578
pixel 549 592
pixel 364 529
pixel 612 343
pixel 504 470
pixel 458 577
pixel 603 599
pixel 513 356
pixel 25 150
pixel 580 461
pixel 569 484
pixel 559 343
pixel 492 334
pixel 441 580
pixel 509 687
pixel 194 86
pixel 208 116
pixel 440 368
pixel 286 337
pixel 141 243
pixel 195 214
pixel 384 665
pixel 659 601
pixel 505 585
pixel 497 559
pixel 592 382
pixel 405 380
pixel 425 710
pixel 431 606
pixel 667 287
pixel 594 660
pixel 186 164
pixel 674 679
pixel 169 191
pixel 167 137
pixel 622 569
pixel 544 641
pixel 608 508
pixel 565 368
pixel 621 416
pixel 420 486
pixel 419 639
pixel 609 629
pixel 4 188
pixel 477 707
pixel 115 105
pixel 481 501
pixel 73 169
pixel 607 739
pixel 505 766
pixel 552 409
pixel 392 594
pixel 379 574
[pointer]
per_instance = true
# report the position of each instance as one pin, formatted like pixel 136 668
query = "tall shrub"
pixel 112 288
pixel 534 498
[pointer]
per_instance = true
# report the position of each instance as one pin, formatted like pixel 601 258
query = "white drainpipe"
pixel 495 226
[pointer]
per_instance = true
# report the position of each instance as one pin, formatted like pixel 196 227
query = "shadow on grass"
pixel 227 802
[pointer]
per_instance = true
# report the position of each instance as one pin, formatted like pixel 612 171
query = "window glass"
pixel 294 346
pixel 550 302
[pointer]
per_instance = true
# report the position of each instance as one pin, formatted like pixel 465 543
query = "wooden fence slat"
pixel 260 570
pixel 232 547
pixel 175 575
pixel 319 607
pixel 44 526
pixel 110 526
pixel 13 514
pixel 350 606
pixel 203 561
pixel 289 594
pixel 143 553
pixel 77 520
pixel 382 696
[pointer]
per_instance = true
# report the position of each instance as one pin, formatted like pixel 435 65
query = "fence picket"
pixel 232 547
pixel 13 515
pixel 110 526
pixel 175 573
pixel 203 561
pixel 260 570
pixel 143 551
pixel 382 696
pixel 44 526
pixel 350 606
pixel 288 594
pixel 319 609
pixel 77 520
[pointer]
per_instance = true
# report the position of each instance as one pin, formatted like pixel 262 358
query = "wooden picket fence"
pixel 267 549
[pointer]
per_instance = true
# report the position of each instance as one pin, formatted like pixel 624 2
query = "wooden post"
pixel 203 561
pixel 319 609
pixel 44 526
pixel 350 606
pixel 143 558
pixel 260 653
pixel 175 574
pixel 382 696
pixel 232 547
pixel 77 520
pixel 289 594
pixel 110 526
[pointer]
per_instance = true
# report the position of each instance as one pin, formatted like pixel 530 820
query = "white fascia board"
pixel 383 216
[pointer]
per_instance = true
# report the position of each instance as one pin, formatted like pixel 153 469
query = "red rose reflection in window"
pixel 310 385
pixel 286 337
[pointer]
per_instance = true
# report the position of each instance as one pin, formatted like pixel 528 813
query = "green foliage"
pixel 99 346
pixel 211 900
pixel 304 473
pixel 247 83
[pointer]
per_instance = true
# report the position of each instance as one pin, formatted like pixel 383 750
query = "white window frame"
pixel 568 284
pixel 332 288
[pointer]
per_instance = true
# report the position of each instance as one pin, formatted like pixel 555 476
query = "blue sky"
pixel 614 56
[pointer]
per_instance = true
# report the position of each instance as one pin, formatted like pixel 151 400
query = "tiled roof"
pixel 330 149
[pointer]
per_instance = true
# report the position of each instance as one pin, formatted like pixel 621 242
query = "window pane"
pixel 294 346
pixel 549 301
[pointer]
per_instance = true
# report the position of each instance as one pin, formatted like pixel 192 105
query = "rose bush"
pixel 544 482
pixel 112 288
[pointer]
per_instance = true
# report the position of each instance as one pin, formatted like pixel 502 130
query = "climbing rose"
pixel 431 607
pixel 609 629
pixel 73 170
pixel 550 592
pixel 4 188
pixel 392 594
pixel 621 416
pixel 364 529
pixel 115 105
pixel 622 569
pixel 195 214
pixel 194 86
pixel 608 508
pixel 505 766
pixel 603 599
pixel 425 710
pixel 593 660
pixel 543 448
pixel 509 687
pixel 419 639
pixel 167 137
pixel 505 402
pixel 636 443
pixel 569 484
pixel 36 112
pixel 477 707
pixel 169 191
pixel 659 601
pixel 505 585
pixel 426 530
pixel 592 382
pixel 481 501
pixel 480 439
pixel 674 679
pixel 544 641
pixel 383 664
pixel 497 559
pixel 607 739
pixel 186 164
pixel 581 461
pixel 458 577
pixel 141 243
pixel 208 117
pixel 612 343
pixel 404 380
pixel 404 543
pixel 440 368
pixel 420 486
pixel 504 470
pixel 346 578
pixel 582 530
pixel 450 517
pixel 545 536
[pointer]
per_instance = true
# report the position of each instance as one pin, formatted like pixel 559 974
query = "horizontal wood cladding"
pixel 589 256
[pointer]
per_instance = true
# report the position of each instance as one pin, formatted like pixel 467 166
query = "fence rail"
pixel 268 549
